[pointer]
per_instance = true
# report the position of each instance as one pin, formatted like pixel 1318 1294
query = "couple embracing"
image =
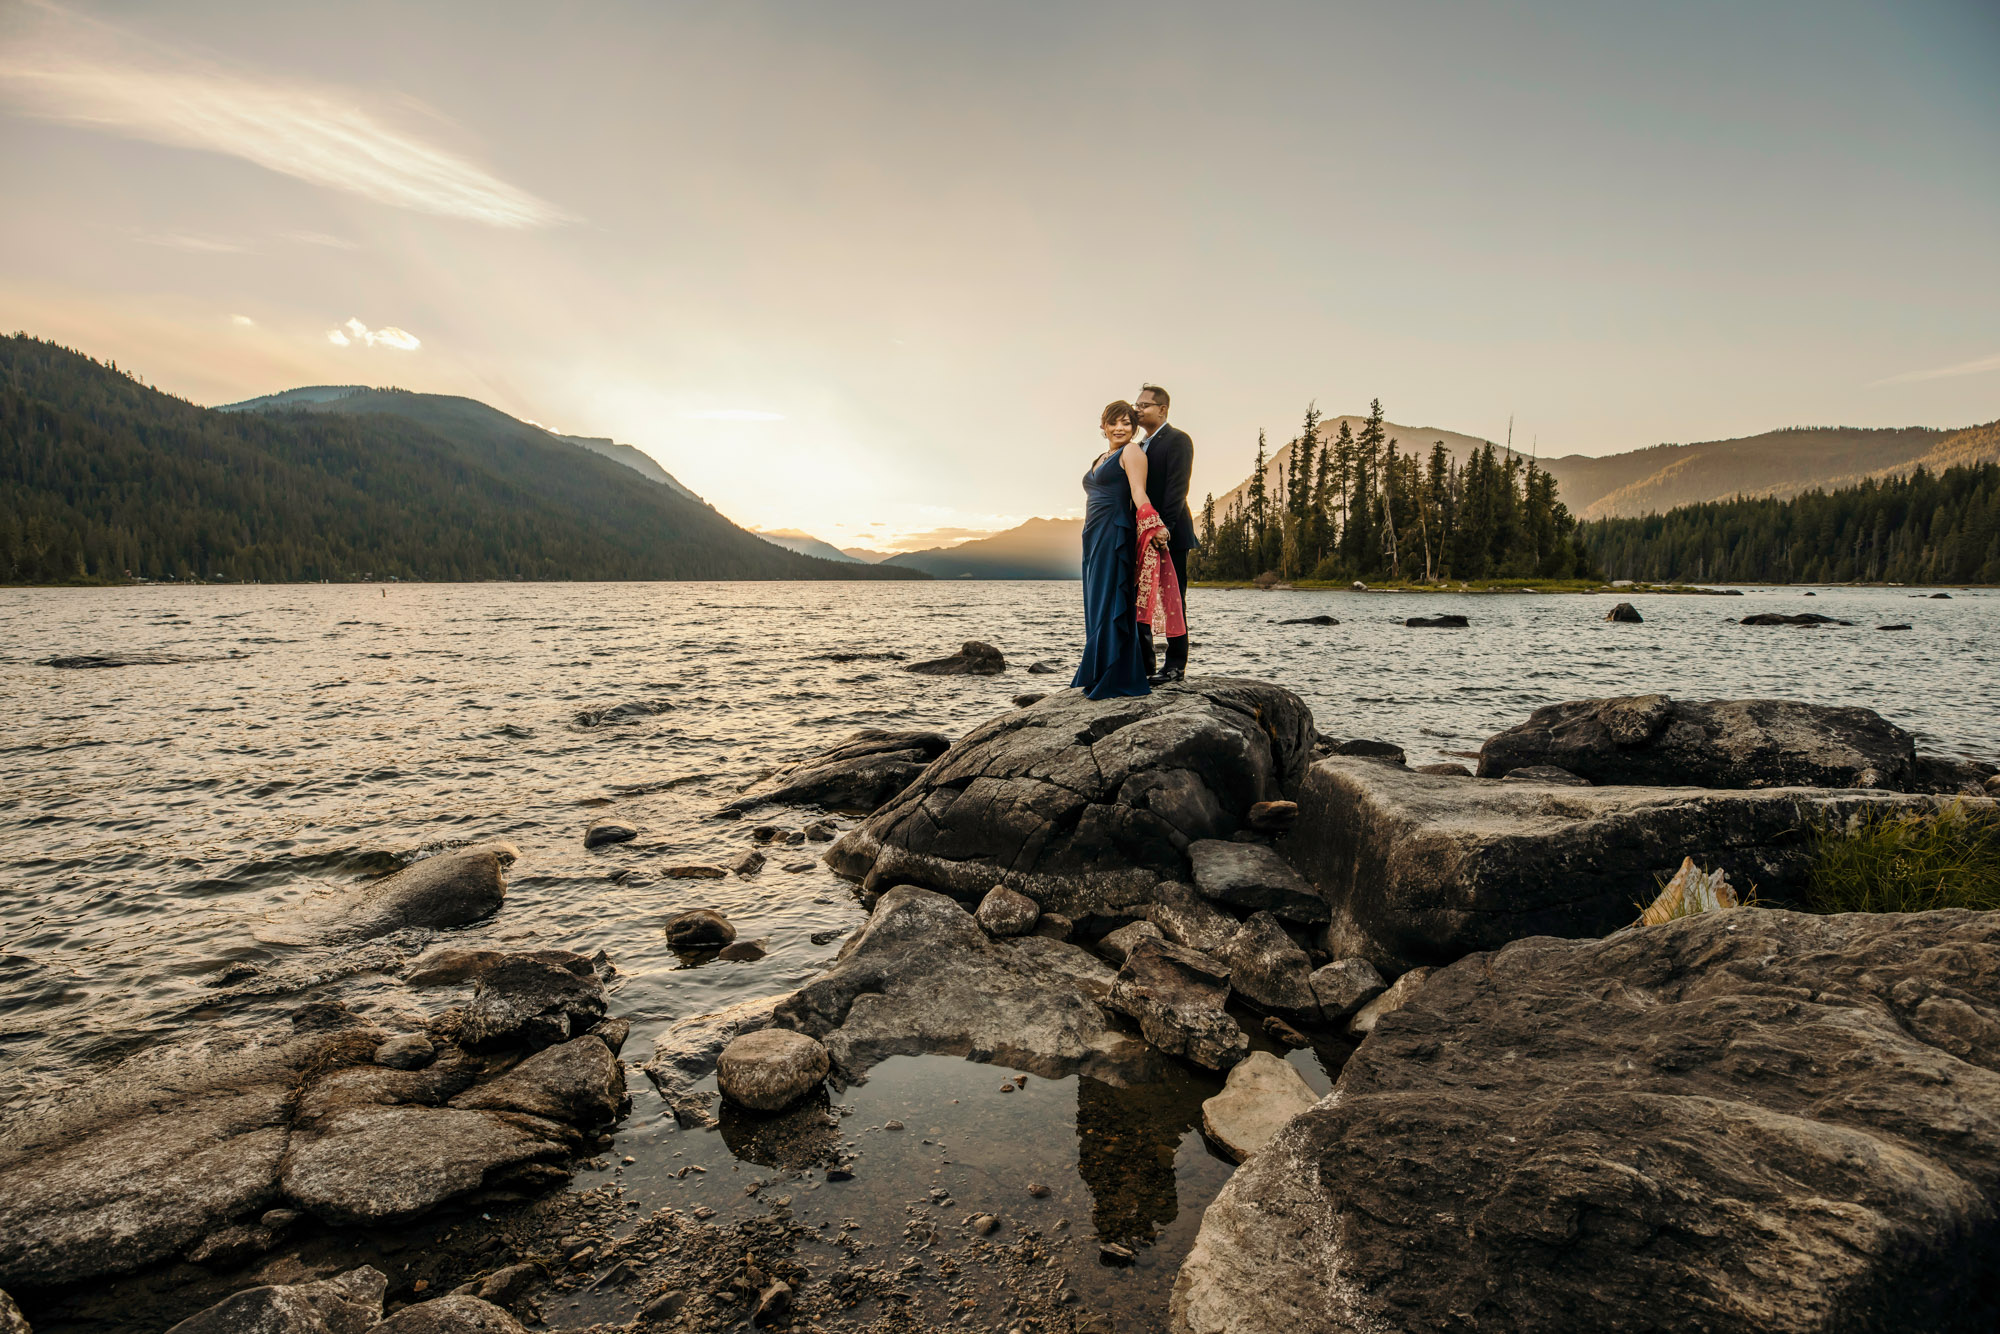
pixel 1136 536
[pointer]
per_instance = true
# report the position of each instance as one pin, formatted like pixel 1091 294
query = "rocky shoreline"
pixel 1619 1118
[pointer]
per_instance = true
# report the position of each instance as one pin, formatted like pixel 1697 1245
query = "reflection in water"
pixel 798 1138
pixel 1126 1143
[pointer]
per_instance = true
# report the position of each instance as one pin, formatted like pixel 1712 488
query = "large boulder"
pixel 534 1000
pixel 1656 741
pixel 1422 869
pixel 923 977
pixel 1084 805
pixel 859 774
pixel 349 1303
pixel 686 1054
pixel 449 889
pixel 1738 1121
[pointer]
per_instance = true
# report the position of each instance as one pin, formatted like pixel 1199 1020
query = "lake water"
pixel 152 816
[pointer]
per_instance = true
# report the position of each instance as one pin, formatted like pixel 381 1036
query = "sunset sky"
pixel 870 270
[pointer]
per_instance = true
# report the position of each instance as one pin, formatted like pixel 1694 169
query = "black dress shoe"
pixel 1165 676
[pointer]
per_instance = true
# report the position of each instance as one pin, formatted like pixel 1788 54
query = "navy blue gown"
pixel 1114 663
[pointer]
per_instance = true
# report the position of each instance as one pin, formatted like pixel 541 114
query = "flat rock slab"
pixel 1251 877
pixel 1741 1121
pixel 923 978
pixel 449 889
pixel 1261 1096
pixel 1084 805
pixel 1423 869
pixel 858 775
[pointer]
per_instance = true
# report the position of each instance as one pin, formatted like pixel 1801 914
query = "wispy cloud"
pixel 201 245
pixel 1978 367
pixel 242 321
pixel 356 334
pixel 89 74
pixel 732 415
pixel 322 239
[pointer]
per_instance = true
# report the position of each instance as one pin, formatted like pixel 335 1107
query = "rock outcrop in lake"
pixel 858 775
pixel 1740 1121
pixel 181 1146
pixel 1084 806
pixel 448 889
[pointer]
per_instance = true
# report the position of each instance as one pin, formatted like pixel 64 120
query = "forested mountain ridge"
pixel 1037 549
pixel 101 477
pixel 1925 528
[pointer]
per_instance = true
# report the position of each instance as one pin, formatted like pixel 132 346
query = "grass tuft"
pixel 1908 863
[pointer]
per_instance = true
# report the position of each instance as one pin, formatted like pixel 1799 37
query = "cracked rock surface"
pixel 1749 1120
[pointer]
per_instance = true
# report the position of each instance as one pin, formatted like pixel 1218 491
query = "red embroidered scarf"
pixel 1159 591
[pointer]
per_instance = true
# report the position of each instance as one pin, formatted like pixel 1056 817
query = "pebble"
pixel 892 1125
pixel 1037 1189
pixel 1112 1253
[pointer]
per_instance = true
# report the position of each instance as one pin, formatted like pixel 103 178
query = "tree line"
pixel 1927 528
pixel 1358 506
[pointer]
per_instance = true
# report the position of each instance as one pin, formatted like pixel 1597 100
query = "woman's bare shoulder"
pixel 1134 453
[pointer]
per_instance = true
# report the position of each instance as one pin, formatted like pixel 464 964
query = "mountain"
pixel 100 475
pixel 864 555
pixel 791 539
pixel 1038 549
pixel 448 414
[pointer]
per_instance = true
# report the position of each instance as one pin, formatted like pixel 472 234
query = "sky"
pixel 871 270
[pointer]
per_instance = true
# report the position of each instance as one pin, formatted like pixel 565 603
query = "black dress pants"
pixel 1177 647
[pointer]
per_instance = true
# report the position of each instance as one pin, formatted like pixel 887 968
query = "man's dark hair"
pixel 1166 400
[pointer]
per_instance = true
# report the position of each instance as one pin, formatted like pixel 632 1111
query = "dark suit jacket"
pixel 1169 464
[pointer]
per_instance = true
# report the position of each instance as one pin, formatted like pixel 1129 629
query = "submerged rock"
pixel 1310 620
pixel 606 832
pixel 1656 741
pixel 1261 1096
pixel 1084 805
pixel 1809 618
pixel 859 774
pixel 1419 869
pixel 1448 621
pixel 1177 995
pixel 449 889
pixel 924 978
pixel 700 928
pixel 1544 773
pixel 769 1070
pixel 972 659
pixel 1735 1122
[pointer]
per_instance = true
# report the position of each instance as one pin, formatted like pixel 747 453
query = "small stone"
pixel 1446 770
pixel 839 1174
pixel 1040 669
pixel 1274 816
pixel 1031 697
pixel 1285 1033
pixel 1344 986
pixel 702 1212
pixel 1054 925
pixel 1112 1253
pixel 406 1051
pixel 769 1070
pixel 694 873
pixel 772 1302
pixel 1006 912
pixel 277 1220
pixel 795 868
pixel 764 833
pixel 745 951
pixel 1262 1094
pixel 985 1224
pixel 827 937
pixel 1390 1001
pixel 796 837
pixel 665 1306
pixel 1038 1190
pixel 821 831
pixel 700 928
pixel 606 832
pixel 892 1125
pixel 749 863
pixel 1120 942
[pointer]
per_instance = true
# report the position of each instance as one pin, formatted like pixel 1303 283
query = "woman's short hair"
pixel 1113 411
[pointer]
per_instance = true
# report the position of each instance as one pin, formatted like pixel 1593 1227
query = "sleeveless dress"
pixel 1114 663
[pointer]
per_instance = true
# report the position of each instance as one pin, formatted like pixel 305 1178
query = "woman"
pixel 1115 488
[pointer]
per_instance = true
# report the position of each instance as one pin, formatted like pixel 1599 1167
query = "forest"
pixel 104 479
pixel 1926 528
pixel 1359 506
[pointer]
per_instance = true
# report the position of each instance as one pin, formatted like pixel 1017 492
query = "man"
pixel 1169 463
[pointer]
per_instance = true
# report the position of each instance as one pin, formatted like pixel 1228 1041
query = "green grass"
pixel 1909 863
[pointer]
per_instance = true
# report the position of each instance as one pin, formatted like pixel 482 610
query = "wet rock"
pixel 1380 750
pixel 11 1319
pixel 1624 613
pixel 1084 805
pixel 1117 944
pixel 745 951
pixel 686 1053
pixel 231 1246
pixel 406 1051
pixel 454 1313
pixel 1040 669
pixel 1278 1029
pixel 1261 1095
pixel 606 832
pixel 972 659
pixel 1092 976
pixel 1444 770
pixel 1004 913
pixel 612 1033
pixel 1898 626
pixel 1807 618
pixel 1344 986
pixel 629 712
pixel 764 833
pixel 449 889
pixel 821 831
pixel 534 1001
pixel 88 661
pixel 578 1082
pixel 1268 969
pixel 1310 620
pixel 700 928
pixel 859 774
pixel 1395 998
pixel 449 967
pixel 1445 622
pixel 1273 817
pixel 1186 918
pixel 1177 997
pixel 1253 878
pixel 350 1303
pixel 1113 1253
pixel 769 1070
pixel 1422 870
pixel 1031 697
pixel 1655 741
pixel 1802 1104
pixel 923 977
pixel 1054 926
pixel 1544 773
pixel 1945 596
pixel 749 863
pixel 694 873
